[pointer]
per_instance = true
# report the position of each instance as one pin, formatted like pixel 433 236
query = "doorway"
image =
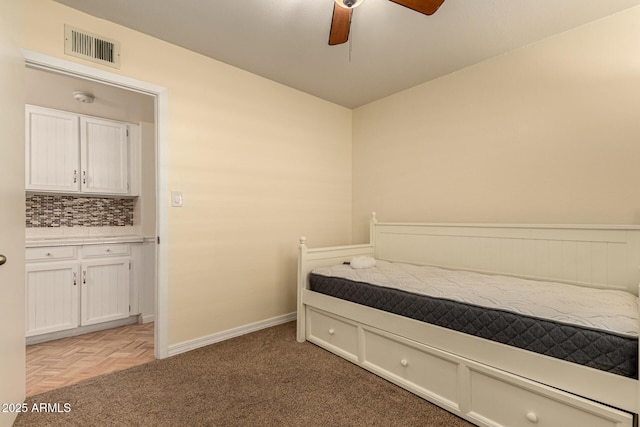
pixel 39 66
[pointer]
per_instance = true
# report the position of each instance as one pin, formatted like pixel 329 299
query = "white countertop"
pixel 65 236
pixel 89 240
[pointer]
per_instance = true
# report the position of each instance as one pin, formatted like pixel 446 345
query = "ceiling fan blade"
pixel 428 7
pixel 340 24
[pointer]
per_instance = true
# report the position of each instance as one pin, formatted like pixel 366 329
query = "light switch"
pixel 176 199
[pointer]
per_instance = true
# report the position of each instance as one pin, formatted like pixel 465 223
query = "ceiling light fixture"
pixel 349 4
pixel 83 97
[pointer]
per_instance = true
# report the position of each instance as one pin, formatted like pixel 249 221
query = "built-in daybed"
pixel 491 365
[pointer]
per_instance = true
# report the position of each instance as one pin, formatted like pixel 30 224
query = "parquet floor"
pixel 66 361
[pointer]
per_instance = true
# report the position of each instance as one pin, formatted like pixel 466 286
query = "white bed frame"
pixel 482 381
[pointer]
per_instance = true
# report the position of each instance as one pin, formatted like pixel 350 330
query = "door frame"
pixel 160 93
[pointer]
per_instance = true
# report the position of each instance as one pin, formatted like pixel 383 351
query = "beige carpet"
pixel 261 379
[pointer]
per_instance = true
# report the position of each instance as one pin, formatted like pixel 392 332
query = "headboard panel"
pixel 588 255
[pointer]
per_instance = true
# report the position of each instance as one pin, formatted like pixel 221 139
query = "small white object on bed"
pixel 362 262
pixel 485 382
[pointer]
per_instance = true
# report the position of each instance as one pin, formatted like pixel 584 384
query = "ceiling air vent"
pixel 82 44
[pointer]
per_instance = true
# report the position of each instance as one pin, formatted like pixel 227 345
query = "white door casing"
pixel 38 60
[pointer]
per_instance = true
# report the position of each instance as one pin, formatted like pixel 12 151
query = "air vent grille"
pixel 92 47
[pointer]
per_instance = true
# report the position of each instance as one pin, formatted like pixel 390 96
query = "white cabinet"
pixel 52 143
pixel 52 297
pixel 68 287
pixel 104 294
pixel 104 152
pixel 70 153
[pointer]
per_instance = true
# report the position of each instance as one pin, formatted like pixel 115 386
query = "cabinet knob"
pixel 404 362
pixel 3 259
pixel 107 250
pixel 331 331
pixel 48 254
pixel 531 416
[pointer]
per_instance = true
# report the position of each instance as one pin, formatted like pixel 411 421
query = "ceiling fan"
pixel 343 9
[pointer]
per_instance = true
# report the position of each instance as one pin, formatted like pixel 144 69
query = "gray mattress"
pixel 585 346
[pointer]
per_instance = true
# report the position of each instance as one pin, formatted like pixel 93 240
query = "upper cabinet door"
pixel 104 149
pixel 51 150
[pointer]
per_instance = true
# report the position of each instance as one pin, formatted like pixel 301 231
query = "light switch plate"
pixel 176 199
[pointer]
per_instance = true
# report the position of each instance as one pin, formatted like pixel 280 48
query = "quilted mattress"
pixel 590 327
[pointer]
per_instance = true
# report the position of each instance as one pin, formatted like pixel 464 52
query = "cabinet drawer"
pixel 113 249
pixel 335 334
pixel 428 372
pixel 501 400
pixel 50 253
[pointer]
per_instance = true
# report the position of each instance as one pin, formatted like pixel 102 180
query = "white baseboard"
pixel 231 333
pixel 148 318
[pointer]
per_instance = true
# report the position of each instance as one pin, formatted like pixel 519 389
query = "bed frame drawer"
pixel 427 372
pixel 334 333
pixel 498 399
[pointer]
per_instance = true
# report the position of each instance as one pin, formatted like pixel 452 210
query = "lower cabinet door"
pixel 105 290
pixel 51 297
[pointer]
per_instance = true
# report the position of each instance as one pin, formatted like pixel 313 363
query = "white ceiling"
pixel 391 47
pixel 55 90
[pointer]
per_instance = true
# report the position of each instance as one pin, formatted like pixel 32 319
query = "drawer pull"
pixel 531 416
pixel 48 254
pixel 107 250
pixel 404 362
pixel 331 331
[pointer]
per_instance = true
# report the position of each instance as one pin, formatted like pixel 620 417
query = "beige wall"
pixel 259 164
pixel 549 133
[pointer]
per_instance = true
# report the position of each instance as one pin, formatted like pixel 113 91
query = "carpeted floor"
pixel 261 379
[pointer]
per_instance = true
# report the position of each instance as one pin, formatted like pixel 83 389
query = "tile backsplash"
pixel 72 211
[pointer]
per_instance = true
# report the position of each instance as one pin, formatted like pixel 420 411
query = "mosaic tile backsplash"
pixel 72 211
